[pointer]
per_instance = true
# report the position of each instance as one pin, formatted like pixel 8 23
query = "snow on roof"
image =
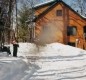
pixel 83 16
pixel 49 1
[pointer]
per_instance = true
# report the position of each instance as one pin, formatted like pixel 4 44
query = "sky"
pixel 42 1
pixel 67 1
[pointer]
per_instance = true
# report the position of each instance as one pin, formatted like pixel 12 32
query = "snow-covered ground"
pixel 51 62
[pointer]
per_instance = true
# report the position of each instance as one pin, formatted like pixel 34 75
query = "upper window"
pixel 71 30
pixel 59 12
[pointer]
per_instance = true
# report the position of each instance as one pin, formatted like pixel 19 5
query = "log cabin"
pixel 57 22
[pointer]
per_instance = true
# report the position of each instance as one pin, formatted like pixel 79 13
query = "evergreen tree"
pixel 24 14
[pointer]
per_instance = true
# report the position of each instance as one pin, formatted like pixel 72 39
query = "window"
pixel 71 44
pixel 84 30
pixel 71 30
pixel 59 12
pixel 0 10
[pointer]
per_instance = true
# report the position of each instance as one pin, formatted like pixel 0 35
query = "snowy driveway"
pixel 60 68
pixel 52 62
pixel 59 62
pixel 16 69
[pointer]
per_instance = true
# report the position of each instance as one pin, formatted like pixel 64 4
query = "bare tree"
pixel 6 18
pixel 81 5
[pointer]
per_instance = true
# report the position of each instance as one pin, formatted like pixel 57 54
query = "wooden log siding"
pixel 57 25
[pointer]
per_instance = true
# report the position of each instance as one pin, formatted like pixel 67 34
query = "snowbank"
pixel 25 49
pixel 12 68
pixel 50 62
pixel 61 50
pixel 58 62
pixel 54 49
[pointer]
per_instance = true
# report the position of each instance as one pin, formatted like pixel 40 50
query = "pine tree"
pixel 23 33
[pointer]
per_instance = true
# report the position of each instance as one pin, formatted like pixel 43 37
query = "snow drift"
pixel 56 61
pixel 50 62
pixel 28 49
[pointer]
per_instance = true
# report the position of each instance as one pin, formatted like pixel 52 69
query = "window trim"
pixel 70 31
pixel 84 32
pixel 59 12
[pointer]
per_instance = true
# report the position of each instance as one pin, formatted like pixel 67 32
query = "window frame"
pixel 70 31
pixel 84 32
pixel 59 12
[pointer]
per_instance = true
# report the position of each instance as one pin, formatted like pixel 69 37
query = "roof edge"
pixel 56 1
pixel 43 4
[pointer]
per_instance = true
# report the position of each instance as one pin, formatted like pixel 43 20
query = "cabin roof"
pixel 51 5
pixel 43 4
